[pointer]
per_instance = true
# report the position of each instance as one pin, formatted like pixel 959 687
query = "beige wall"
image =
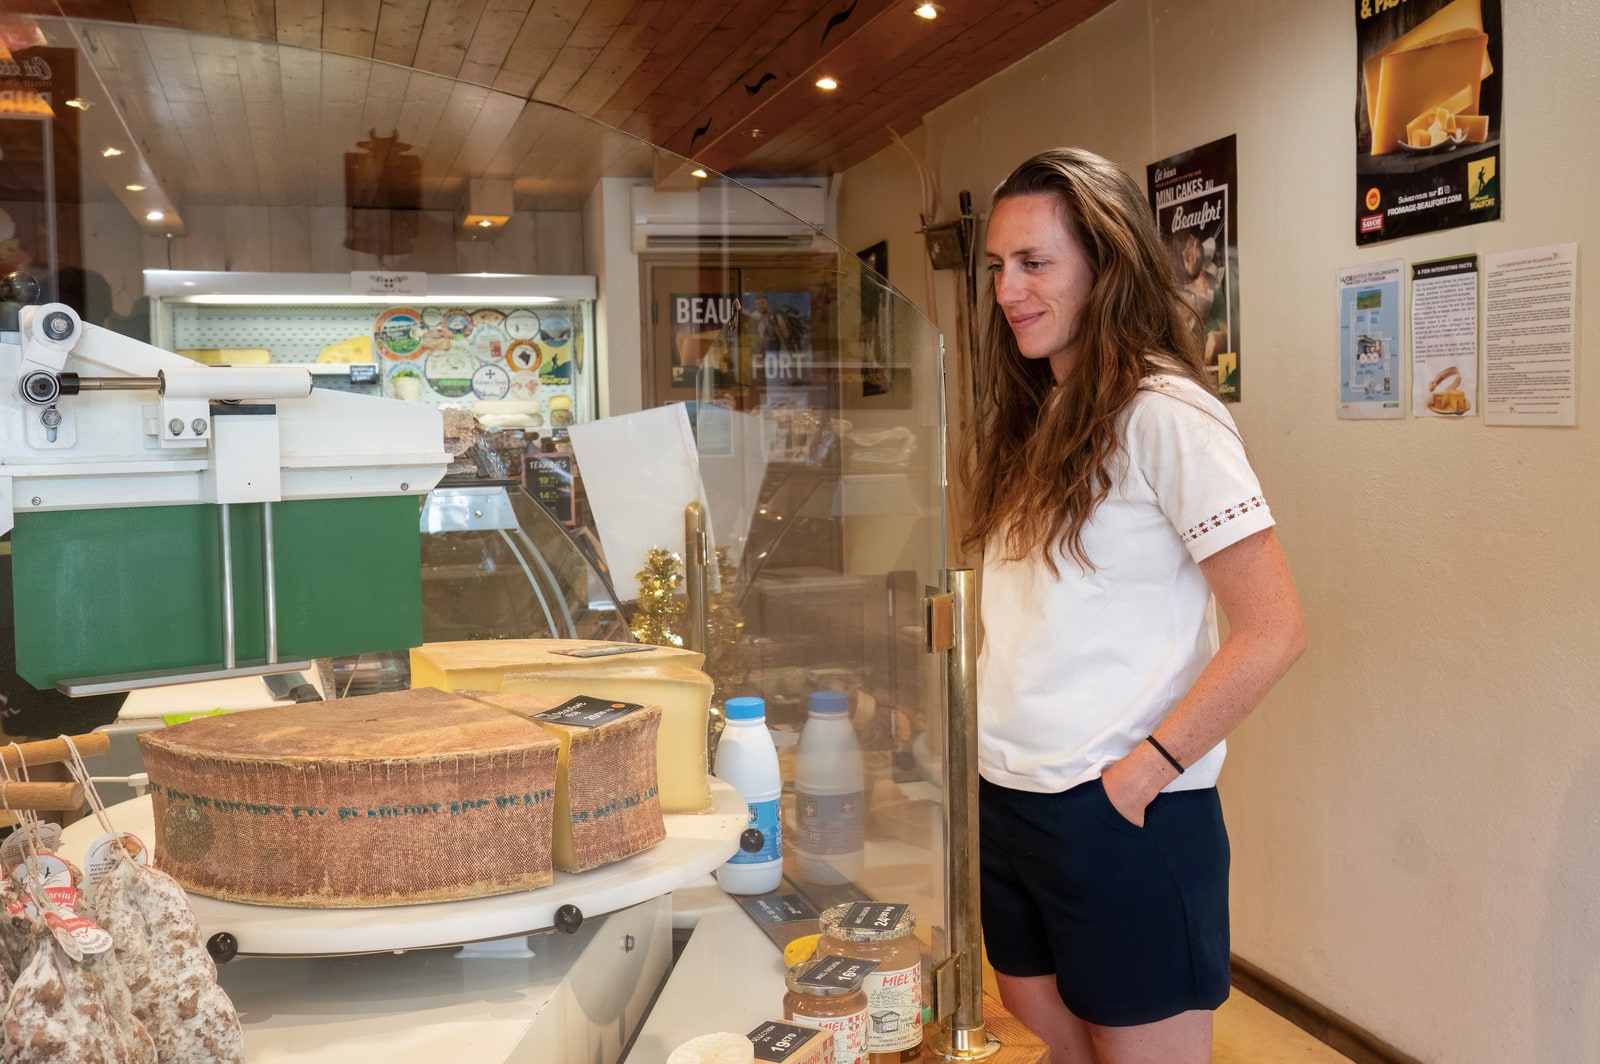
pixel 1416 810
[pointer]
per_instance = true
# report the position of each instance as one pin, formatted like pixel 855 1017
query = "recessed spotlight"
pixel 154 216
pixel 77 102
pixel 134 188
pixel 110 153
pixel 698 173
pixel 484 223
pixel 827 83
pixel 928 11
pixel 755 133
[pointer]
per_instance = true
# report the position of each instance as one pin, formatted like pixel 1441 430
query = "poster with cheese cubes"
pixel 1429 84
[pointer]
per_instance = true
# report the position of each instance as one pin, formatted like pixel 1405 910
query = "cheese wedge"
pixel 684 696
pixel 355 349
pixel 481 664
pixel 1424 69
pixel 607 799
pixel 659 676
pixel 1477 127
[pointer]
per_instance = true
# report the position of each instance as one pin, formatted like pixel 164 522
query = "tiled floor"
pixel 1248 1032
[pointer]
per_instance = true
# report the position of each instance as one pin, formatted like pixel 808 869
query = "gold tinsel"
pixel 724 624
pixel 658 608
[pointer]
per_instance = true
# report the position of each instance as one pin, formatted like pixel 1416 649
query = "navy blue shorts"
pixel 1132 921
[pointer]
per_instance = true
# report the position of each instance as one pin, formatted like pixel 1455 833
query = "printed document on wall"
pixel 1530 333
pixel 1369 342
pixel 1444 337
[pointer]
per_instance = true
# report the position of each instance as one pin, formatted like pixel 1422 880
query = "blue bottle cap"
pixel 746 708
pixel 835 702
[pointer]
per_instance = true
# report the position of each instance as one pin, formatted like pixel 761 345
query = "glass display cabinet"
pixel 813 396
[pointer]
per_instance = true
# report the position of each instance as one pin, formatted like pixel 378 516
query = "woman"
pixel 1112 501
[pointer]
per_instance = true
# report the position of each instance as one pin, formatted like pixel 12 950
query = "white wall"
pixel 1416 810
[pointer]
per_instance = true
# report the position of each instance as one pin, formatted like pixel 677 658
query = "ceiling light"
pixel 485 223
pixel 78 102
pixel 134 188
pixel 927 11
pixel 827 83
pixel 110 153
pixel 154 216
pixel 698 173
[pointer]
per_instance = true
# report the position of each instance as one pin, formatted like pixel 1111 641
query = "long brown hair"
pixel 1044 452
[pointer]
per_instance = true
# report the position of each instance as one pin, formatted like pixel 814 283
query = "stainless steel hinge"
pixel 939 621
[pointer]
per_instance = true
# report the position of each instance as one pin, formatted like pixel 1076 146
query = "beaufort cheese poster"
pixel 1429 84
pixel 1196 199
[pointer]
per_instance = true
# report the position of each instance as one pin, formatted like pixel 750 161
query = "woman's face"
pixel 1041 275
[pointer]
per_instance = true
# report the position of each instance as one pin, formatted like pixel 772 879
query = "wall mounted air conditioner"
pixel 719 217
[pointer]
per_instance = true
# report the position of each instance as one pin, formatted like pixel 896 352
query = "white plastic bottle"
pixel 747 759
pixel 829 809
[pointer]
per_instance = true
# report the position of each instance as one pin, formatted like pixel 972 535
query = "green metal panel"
pixel 109 591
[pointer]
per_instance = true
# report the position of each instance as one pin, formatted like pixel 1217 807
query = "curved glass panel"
pixel 610 337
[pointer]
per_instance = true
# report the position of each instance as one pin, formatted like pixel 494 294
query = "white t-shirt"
pixel 1077 670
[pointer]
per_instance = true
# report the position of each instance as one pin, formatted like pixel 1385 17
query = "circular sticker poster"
pixel 432 316
pixel 522 325
pixel 557 368
pixel 458 321
pixel 487 316
pixel 524 385
pixel 490 381
pixel 398 333
pixel 555 330
pixel 404 381
pixel 524 356
pixel 449 373
pixel 489 343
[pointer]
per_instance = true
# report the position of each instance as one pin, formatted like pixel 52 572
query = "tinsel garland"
pixel 658 608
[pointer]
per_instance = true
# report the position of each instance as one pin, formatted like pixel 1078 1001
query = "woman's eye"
pixel 993 267
pixel 1034 264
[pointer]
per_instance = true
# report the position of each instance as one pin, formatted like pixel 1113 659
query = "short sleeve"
pixel 1182 441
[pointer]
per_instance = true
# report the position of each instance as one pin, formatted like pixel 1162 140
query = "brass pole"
pixel 963 1036
pixel 695 567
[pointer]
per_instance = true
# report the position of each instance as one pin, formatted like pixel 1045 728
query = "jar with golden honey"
pixel 827 993
pixel 882 933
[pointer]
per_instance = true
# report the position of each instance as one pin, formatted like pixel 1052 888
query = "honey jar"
pixel 882 933
pixel 833 1001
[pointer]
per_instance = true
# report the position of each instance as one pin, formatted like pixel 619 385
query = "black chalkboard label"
pixel 782 909
pixel 873 916
pixel 548 478
pixel 845 972
pixel 779 1041
pixel 605 651
pixel 586 712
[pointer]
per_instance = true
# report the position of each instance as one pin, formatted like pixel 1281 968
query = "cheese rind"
pixel 380 800
pixel 608 803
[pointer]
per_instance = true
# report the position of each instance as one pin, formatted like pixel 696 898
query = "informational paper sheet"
pixel 640 471
pixel 1444 337
pixel 1369 342
pixel 1530 336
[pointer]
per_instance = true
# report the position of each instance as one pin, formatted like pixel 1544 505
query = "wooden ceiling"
pixel 260 98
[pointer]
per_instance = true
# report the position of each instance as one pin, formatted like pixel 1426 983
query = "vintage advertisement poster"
pixel 1196 195
pixel 1444 337
pixel 705 339
pixel 1429 81
pixel 1530 332
pixel 778 329
pixel 1369 342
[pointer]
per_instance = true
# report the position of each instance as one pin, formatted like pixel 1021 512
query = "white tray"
pixel 695 845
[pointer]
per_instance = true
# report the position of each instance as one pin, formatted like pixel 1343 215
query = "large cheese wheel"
pixel 385 799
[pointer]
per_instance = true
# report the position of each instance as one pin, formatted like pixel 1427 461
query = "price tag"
pixel 49 872
pixel 776 1042
pixel 78 936
pixel 101 857
pixel 586 712
pixel 606 651
pixel 846 972
pixel 784 909
pixel 872 916
pixel 548 478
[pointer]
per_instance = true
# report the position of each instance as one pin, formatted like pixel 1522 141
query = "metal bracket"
pixel 939 622
pixel 944 988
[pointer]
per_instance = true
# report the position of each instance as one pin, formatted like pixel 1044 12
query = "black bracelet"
pixel 1151 739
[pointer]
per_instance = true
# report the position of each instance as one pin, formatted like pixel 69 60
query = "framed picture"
pixel 877 384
